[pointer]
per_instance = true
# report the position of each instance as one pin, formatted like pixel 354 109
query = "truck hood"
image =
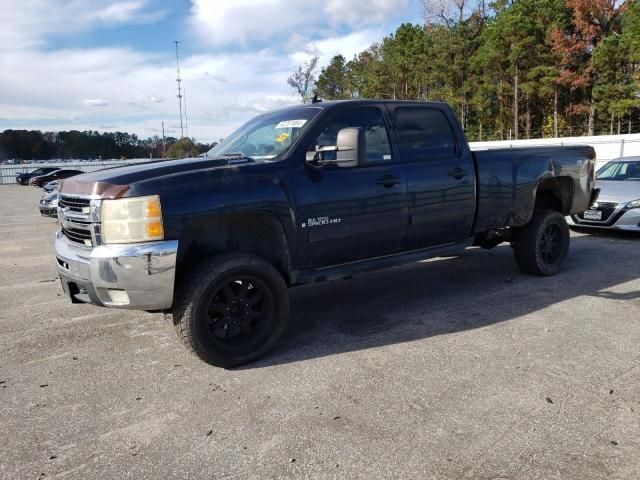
pixel 620 191
pixel 115 182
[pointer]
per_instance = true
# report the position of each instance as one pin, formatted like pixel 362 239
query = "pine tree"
pixel 592 20
pixel 333 81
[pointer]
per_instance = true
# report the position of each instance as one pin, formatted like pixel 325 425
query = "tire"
pixel 541 246
pixel 231 309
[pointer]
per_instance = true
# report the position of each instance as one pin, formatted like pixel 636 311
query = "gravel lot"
pixel 455 368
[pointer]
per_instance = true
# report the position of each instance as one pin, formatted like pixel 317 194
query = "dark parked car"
pixel 56 175
pixel 23 178
pixel 302 195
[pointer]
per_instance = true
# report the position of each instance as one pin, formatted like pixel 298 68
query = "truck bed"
pixel 508 180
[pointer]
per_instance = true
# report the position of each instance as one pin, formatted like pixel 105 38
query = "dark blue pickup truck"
pixel 306 194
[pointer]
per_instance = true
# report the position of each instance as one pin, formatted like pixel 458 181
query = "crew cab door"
pixel 345 214
pixel 440 172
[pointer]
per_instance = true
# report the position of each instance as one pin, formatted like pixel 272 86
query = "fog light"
pixel 118 296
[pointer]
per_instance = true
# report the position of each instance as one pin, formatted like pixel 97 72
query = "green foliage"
pixel 615 59
pixel 183 148
pixel 333 82
pixel 533 66
pixel 28 145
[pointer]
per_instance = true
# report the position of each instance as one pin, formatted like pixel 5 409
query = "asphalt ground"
pixel 454 368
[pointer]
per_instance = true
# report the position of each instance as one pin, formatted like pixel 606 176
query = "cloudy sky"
pixel 110 64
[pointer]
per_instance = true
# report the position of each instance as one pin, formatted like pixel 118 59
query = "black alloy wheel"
pixel 231 309
pixel 541 246
pixel 241 308
pixel 551 244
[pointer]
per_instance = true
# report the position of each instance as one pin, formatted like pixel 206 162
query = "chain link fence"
pixel 8 172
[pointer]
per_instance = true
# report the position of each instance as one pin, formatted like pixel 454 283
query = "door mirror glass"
pixel 376 147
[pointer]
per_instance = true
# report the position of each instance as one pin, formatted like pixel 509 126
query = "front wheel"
pixel 541 246
pixel 231 309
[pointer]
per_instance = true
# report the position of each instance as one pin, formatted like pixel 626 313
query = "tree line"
pixel 511 69
pixel 34 144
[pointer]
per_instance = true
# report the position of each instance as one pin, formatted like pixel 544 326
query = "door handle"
pixel 458 173
pixel 388 181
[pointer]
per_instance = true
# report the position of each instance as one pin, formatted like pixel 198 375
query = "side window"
pixel 375 130
pixel 424 132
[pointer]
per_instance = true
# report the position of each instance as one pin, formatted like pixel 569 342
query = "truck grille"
pixel 78 235
pixel 76 219
pixel 74 204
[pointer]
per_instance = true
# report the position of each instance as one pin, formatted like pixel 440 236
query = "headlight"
pixel 53 203
pixel 634 204
pixel 130 220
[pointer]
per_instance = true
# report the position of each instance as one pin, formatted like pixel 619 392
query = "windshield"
pixel 624 170
pixel 267 136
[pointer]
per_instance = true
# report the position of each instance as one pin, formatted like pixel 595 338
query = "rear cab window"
pixel 424 132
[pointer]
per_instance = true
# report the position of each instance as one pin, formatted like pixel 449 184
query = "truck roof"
pixel 337 103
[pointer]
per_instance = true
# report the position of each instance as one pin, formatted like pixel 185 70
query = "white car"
pixel 51 186
pixel 618 205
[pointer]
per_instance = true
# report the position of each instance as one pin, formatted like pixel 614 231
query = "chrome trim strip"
pixel 81 196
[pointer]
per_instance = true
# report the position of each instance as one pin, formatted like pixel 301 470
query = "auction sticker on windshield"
pixel 291 124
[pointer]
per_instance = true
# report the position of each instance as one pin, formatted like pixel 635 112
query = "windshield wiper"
pixel 236 156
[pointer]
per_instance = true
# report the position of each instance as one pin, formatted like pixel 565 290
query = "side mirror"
pixel 351 149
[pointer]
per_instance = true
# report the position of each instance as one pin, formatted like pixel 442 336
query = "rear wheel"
pixel 541 246
pixel 231 309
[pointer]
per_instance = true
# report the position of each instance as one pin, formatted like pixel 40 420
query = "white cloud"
pixel 221 23
pixel 359 12
pixel 28 23
pixel 94 102
pixel 243 21
pixel 115 80
pixel 145 102
pixel 125 12
pixel 51 88
pixel 347 45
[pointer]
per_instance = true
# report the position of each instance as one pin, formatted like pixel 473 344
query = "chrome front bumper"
pixel 625 219
pixel 137 276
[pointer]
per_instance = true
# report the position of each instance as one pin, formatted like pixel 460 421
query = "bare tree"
pixel 449 12
pixel 303 78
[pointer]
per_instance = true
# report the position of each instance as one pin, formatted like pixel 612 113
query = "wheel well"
pixel 555 194
pixel 261 234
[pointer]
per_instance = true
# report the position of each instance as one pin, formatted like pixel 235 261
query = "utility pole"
pixel 179 81
pixel 164 151
pixel 186 117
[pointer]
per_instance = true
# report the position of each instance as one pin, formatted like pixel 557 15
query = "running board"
pixel 333 272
